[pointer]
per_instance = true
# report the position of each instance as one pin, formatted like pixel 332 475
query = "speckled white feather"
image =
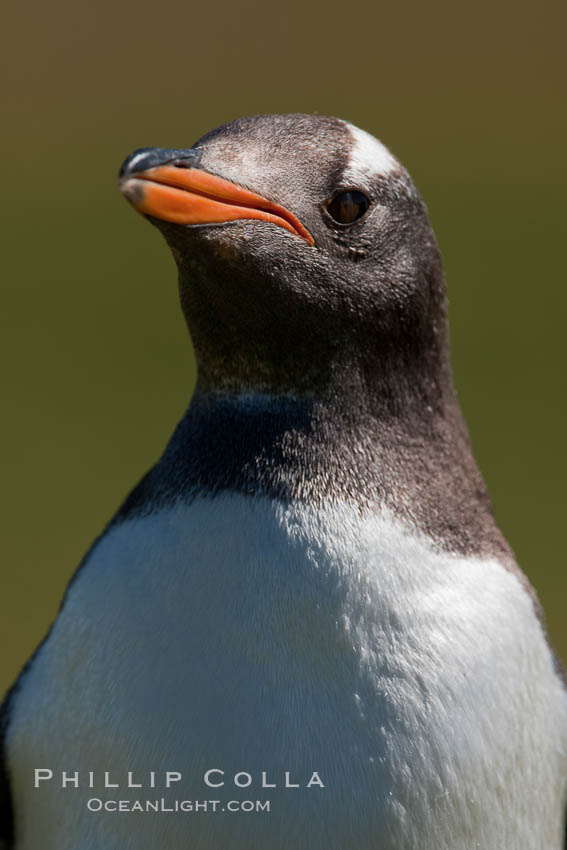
pixel 246 635
pixel 369 158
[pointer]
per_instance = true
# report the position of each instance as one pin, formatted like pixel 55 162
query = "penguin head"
pixel 305 254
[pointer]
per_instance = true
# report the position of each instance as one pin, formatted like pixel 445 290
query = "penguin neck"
pixel 318 451
pixel 323 449
pixel 359 395
pixel 348 406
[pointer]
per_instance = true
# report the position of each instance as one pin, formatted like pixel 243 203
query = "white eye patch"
pixel 368 158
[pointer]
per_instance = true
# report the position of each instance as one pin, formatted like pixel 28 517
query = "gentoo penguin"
pixel 303 628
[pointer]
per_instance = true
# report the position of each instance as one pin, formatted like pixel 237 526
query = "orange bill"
pixel 192 196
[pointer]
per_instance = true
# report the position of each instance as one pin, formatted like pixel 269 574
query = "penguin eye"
pixel 348 207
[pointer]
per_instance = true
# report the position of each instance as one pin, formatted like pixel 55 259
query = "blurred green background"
pixel 98 367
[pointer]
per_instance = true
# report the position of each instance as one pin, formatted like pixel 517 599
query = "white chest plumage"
pixel 243 635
